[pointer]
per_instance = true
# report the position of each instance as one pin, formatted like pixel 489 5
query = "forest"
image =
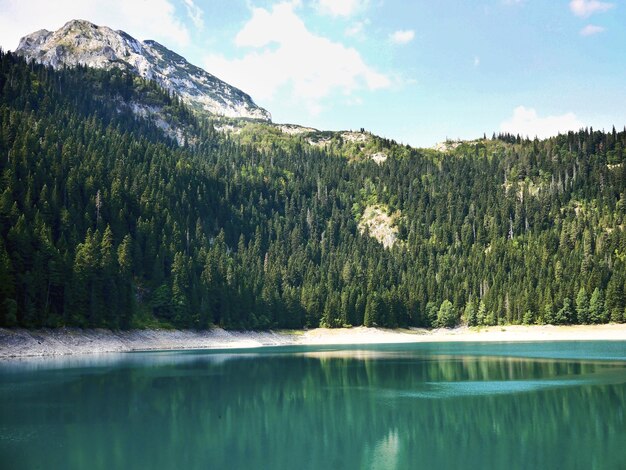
pixel 108 221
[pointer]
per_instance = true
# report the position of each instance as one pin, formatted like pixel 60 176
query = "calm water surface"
pixel 532 405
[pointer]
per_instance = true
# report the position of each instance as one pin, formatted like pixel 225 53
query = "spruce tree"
pixel 470 314
pixel 582 306
pixel 596 307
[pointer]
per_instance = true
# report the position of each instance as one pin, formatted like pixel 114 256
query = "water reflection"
pixel 378 408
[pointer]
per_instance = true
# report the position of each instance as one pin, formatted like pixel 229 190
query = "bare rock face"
pixel 80 42
pixel 378 224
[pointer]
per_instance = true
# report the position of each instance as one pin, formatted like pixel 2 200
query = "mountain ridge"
pixel 80 42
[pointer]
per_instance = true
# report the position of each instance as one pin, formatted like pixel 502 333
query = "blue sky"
pixel 414 71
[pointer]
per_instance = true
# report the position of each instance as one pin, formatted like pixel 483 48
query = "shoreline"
pixel 20 343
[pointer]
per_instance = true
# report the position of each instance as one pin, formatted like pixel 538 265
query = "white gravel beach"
pixel 54 342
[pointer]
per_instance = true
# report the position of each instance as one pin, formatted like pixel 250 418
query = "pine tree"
pixel 8 305
pixel 596 307
pixel 529 317
pixel 482 313
pixel 548 314
pixel 431 314
pixel 125 267
pixel 614 304
pixel 582 306
pixel 470 314
pixel 564 314
pixel 180 289
pixel 109 276
pixel 372 311
pixel 86 272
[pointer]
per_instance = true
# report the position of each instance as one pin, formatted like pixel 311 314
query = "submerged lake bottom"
pixel 444 405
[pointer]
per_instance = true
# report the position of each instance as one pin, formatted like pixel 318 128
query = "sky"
pixel 418 71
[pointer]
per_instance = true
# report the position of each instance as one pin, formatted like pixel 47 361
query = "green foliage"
pixel 529 318
pixel 582 306
pixel 564 314
pixel 446 317
pixel 470 314
pixel 615 298
pixel 373 311
pixel 431 313
pixel 549 317
pixel 105 221
pixel 597 313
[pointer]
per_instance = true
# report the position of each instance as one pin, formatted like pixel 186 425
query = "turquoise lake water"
pixel 506 406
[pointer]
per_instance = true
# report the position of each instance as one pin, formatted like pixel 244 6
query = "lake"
pixel 447 405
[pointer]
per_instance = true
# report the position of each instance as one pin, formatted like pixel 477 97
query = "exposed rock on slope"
pixel 294 129
pixel 80 42
pixel 379 157
pixel 376 222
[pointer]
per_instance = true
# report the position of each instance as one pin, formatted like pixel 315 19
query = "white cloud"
pixel 356 29
pixel 527 123
pixel 402 36
pixel 286 57
pixel 356 101
pixel 341 7
pixel 143 19
pixel 476 61
pixel 586 8
pixel 194 12
pixel 591 29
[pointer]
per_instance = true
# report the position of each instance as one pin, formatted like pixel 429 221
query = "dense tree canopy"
pixel 106 221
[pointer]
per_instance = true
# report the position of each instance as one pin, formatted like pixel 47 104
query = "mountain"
pixel 106 221
pixel 80 42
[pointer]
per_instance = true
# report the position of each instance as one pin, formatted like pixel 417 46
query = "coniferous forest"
pixel 106 221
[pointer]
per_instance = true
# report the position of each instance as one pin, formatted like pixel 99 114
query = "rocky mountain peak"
pixel 80 42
